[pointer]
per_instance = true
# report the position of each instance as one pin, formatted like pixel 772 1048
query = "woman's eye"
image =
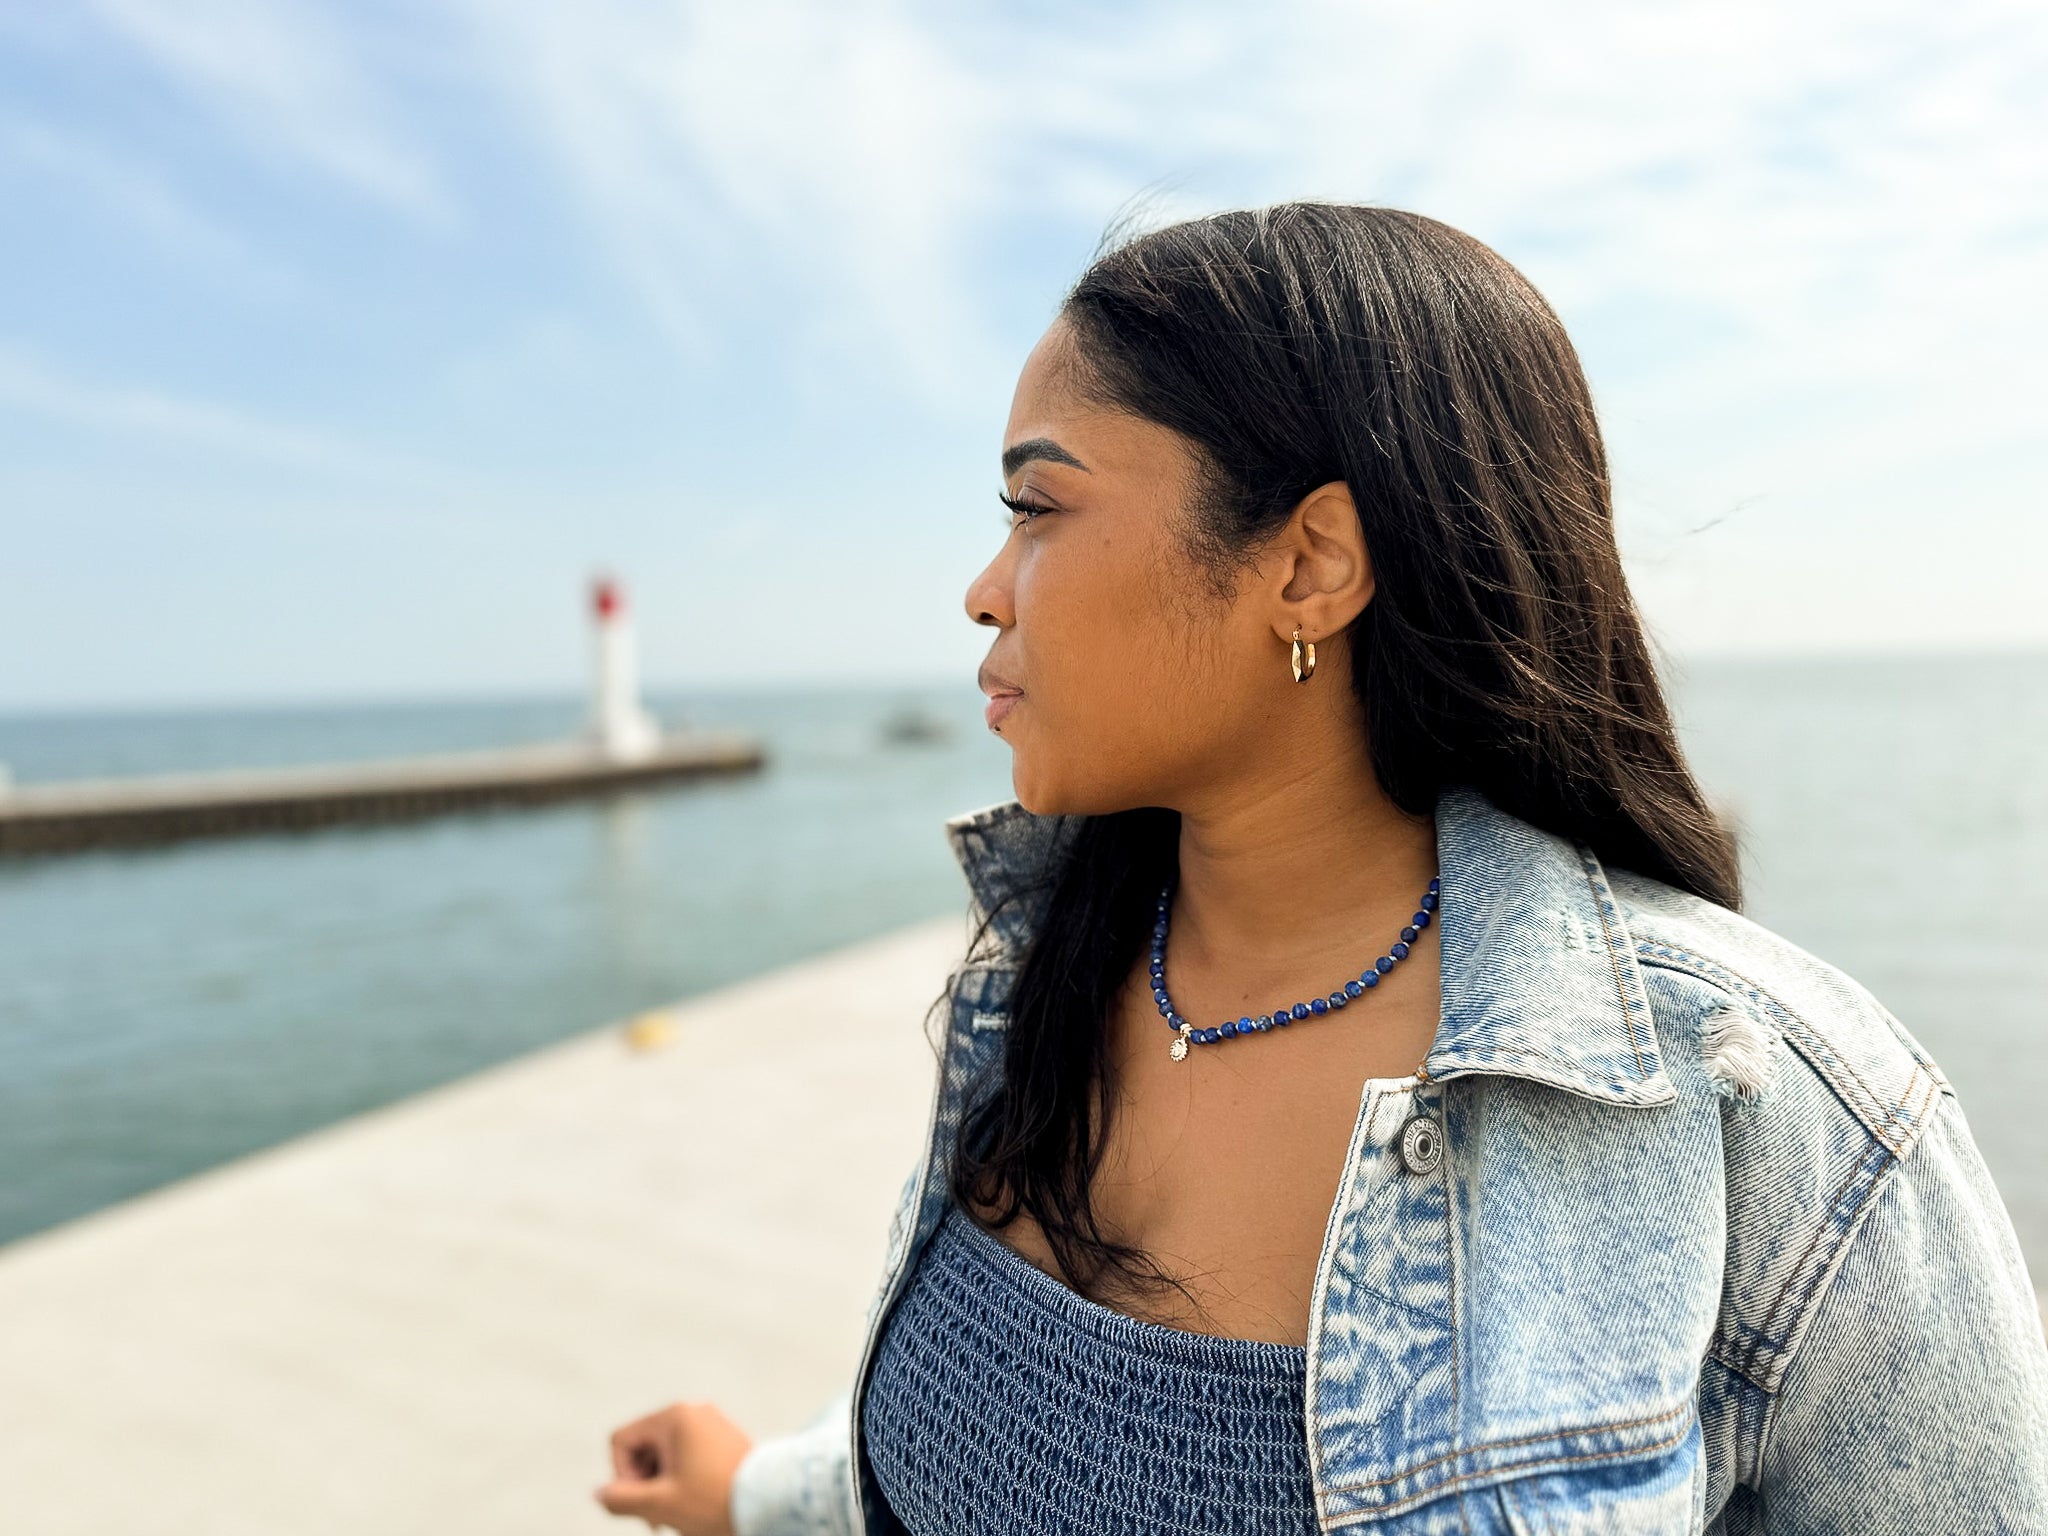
pixel 1024 509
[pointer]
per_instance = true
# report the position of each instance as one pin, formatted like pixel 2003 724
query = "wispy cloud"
pixel 289 77
pixel 1825 222
pixel 142 201
pixel 853 172
pixel 30 386
pixel 836 155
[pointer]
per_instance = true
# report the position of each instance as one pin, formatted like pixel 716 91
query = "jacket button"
pixel 1422 1145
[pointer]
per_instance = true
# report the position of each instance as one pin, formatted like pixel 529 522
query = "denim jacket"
pixel 1708 1245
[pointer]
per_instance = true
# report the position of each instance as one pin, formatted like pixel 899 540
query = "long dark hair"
pixel 1292 346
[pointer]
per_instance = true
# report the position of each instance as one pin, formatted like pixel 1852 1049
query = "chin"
pixel 1030 794
pixel 1043 799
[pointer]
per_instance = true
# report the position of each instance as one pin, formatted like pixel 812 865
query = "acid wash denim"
pixel 1710 1248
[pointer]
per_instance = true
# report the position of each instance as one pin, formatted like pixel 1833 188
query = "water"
pixel 163 1010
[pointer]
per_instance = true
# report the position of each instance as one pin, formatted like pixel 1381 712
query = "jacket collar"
pixel 1539 973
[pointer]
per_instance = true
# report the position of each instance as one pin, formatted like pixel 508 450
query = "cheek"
pixel 1109 646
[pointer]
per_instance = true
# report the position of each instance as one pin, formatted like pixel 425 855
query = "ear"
pixel 1328 576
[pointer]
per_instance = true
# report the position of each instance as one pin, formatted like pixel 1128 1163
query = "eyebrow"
pixel 1017 455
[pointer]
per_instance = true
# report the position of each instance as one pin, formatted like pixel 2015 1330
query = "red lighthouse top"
pixel 606 598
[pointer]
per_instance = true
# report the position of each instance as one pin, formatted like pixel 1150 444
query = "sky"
pixel 341 343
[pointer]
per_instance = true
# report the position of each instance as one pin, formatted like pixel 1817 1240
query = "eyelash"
pixel 1026 509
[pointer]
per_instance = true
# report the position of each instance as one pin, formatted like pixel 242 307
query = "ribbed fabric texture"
pixel 1003 1401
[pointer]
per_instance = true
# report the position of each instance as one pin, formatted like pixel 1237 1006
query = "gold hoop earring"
pixel 1303 673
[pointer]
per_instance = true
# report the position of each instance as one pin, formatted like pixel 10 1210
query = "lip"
pixel 999 705
pixel 993 682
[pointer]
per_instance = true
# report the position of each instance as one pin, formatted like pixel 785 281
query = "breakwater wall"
pixel 100 813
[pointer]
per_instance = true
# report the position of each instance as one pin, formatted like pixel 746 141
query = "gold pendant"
pixel 1179 1049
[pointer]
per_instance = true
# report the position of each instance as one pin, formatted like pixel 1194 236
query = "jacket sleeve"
pixel 1918 1400
pixel 799 1484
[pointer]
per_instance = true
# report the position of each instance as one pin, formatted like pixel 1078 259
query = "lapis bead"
pixel 1410 934
pixel 1338 999
pixel 1371 978
pixel 1399 950
pixel 1384 963
pixel 1317 1005
pixel 1354 989
pixel 1298 1011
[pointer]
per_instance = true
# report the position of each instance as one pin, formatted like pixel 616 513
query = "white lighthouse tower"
pixel 623 730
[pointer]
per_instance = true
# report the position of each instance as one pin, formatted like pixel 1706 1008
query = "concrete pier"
pixel 428 1319
pixel 99 813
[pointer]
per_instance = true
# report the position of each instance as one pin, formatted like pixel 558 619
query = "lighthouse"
pixel 622 730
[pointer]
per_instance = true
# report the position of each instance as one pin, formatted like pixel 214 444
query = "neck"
pixel 1284 889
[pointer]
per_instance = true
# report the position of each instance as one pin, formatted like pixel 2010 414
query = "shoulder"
pixel 1822 1096
pixel 1704 963
pixel 1877 1358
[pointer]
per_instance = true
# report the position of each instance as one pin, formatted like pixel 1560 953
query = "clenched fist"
pixel 675 1468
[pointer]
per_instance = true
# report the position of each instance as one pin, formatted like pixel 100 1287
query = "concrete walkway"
pixel 429 1318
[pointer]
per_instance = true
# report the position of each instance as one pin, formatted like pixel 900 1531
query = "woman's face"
pixel 1139 686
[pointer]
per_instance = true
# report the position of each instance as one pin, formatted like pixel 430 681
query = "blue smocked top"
pixel 1003 1401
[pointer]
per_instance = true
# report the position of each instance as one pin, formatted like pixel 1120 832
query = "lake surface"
pixel 163 1010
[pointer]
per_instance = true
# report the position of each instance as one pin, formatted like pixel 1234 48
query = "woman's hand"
pixel 675 1467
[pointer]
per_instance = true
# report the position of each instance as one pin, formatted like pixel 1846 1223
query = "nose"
pixel 988 597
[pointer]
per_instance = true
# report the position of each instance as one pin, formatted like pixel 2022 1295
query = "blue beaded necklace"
pixel 1186 1033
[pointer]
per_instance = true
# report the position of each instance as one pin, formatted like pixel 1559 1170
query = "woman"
pixel 1363 1103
